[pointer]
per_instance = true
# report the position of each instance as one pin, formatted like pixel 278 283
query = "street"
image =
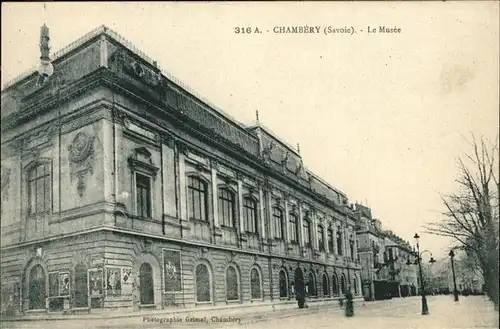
pixel 469 312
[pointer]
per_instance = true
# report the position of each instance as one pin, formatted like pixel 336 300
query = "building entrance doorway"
pixel 37 288
pixel 81 286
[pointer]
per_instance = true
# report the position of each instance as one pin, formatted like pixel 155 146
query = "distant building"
pixel 438 278
pixel 123 189
pixel 384 258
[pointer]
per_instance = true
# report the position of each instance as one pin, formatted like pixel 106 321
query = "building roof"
pixel 317 184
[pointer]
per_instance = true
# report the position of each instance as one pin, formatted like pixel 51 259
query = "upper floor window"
pixel 330 240
pixel 307 232
pixel 143 195
pixel 321 238
pixel 340 250
pixel 197 194
pixel 278 223
pixel 226 207
pixel 250 215
pixel 39 187
pixel 294 232
pixel 351 244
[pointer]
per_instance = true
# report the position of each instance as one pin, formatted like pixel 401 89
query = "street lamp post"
pixel 425 308
pixel 455 291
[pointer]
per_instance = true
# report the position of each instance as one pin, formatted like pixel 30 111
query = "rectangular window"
pixel 278 223
pixel 340 250
pixel 330 241
pixel 143 194
pixel 226 207
pixel 197 198
pixel 321 238
pixel 39 189
pixel 294 236
pixel 307 233
pixel 250 215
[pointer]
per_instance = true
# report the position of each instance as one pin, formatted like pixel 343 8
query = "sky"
pixel 382 117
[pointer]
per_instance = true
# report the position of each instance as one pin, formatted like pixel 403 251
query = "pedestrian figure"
pixel 349 306
pixel 301 299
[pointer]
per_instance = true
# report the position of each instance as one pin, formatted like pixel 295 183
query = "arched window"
pixel 255 284
pixel 311 285
pixel 226 207
pixel 232 283
pixel 326 286
pixel 340 250
pixel 278 223
pixel 321 238
pixel 250 215
pixel 39 188
pixel 283 282
pixel 197 195
pixel 146 290
pixel 37 288
pixel 294 232
pixel 355 285
pixel 335 285
pixel 330 241
pixel 343 284
pixel 203 284
pixel 307 232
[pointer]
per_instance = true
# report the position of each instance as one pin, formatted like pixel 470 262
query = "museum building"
pixel 121 188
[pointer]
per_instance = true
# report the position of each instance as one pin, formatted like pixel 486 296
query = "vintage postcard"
pixel 250 164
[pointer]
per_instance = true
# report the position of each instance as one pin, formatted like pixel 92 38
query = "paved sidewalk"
pixel 213 317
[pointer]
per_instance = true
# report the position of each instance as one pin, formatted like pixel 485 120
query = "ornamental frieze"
pixel 131 126
pixel 81 151
pixel 40 137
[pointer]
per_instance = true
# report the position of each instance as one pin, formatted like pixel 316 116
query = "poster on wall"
pixel 172 270
pixel 95 283
pixel 64 284
pixel 127 281
pixel 53 284
pixel 113 281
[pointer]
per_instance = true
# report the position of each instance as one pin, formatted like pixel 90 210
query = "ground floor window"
pixel 255 284
pixel 311 285
pixel 203 282
pixel 335 286
pixel 326 286
pixel 232 284
pixel 343 285
pixel 283 284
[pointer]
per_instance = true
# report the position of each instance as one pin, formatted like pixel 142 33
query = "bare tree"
pixel 472 213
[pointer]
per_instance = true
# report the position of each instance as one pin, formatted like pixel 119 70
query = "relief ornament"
pixel 80 154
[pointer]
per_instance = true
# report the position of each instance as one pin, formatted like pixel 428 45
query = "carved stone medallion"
pixel 81 147
pixel 80 151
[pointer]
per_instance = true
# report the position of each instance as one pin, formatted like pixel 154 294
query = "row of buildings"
pixel 121 188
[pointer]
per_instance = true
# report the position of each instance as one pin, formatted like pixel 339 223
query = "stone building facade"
pixel 123 189
pixel 388 268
